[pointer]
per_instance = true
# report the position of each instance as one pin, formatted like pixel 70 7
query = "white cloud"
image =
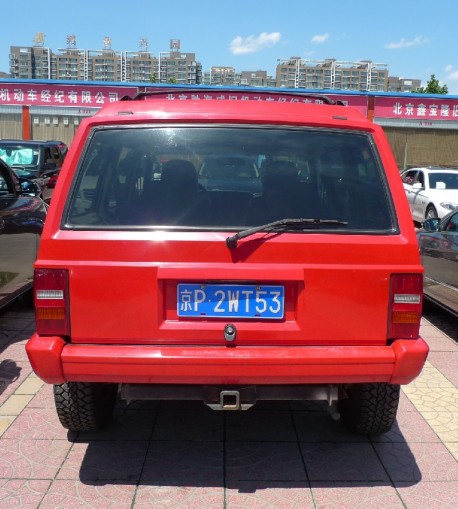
pixel 320 38
pixel 404 43
pixel 252 43
pixel 452 73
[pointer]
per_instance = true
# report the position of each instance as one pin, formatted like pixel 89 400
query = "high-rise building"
pixel 396 84
pixel 34 62
pixel 177 67
pixel 221 76
pixel 331 74
pixel 71 63
pixel 230 77
pixel 256 79
pixel 173 66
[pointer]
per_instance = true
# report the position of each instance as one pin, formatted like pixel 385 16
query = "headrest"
pixel 179 173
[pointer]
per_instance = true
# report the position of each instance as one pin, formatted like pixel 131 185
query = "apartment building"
pixel 257 79
pixel 34 62
pixel 37 62
pixel 331 74
pixel 174 66
pixel 230 77
pixel 396 84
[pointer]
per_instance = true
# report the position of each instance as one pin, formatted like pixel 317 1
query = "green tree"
pixel 153 78
pixel 433 87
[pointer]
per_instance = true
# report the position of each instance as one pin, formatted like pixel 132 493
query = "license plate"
pixel 230 301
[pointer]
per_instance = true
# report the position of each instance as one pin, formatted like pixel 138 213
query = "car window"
pixel 229 167
pixel 452 223
pixel 3 183
pixel 443 180
pixel 17 155
pixel 409 177
pixel 6 184
pixel 419 179
pixel 48 156
pixel 209 178
pixel 56 155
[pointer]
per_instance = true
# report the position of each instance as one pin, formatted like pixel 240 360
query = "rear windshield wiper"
pixel 232 241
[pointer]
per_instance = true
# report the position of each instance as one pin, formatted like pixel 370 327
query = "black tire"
pixel 431 212
pixel 27 299
pixel 85 406
pixel 370 408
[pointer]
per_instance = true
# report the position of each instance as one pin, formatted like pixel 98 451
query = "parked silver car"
pixel 438 242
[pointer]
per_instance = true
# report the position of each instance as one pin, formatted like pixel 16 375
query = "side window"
pixel 55 155
pixel 452 225
pixel 3 183
pixel 420 178
pixel 48 156
pixel 409 177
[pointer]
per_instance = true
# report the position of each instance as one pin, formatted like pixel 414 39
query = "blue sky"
pixel 415 39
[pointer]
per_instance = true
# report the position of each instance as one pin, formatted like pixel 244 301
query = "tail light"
pixel 406 296
pixel 51 302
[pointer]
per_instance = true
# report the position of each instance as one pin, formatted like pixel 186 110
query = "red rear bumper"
pixel 55 361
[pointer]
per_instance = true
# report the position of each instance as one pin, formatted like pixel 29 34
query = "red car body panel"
pixel 397 364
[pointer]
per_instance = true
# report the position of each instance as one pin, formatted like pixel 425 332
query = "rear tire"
pixel 370 408
pixel 85 406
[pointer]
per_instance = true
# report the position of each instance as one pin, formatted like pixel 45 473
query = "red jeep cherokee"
pixel 228 246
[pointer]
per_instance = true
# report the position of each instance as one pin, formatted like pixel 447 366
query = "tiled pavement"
pixel 183 455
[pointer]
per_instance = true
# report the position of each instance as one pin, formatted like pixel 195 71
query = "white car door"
pixel 418 197
pixel 410 178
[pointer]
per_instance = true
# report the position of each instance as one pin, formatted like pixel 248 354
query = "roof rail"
pixel 293 94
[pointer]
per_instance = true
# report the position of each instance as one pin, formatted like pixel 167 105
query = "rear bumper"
pixel 56 361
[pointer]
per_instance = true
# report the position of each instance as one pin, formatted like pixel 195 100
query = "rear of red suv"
pixel 229 251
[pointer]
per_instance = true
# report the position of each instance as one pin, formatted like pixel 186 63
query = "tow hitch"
pixel 233 398
pixel 229 400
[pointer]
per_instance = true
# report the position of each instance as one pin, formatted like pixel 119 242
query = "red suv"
pixel 297 280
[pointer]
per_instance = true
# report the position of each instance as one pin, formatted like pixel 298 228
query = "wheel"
pixel 27 299
pixel 431 212
pixel 85 406
pixel 370 408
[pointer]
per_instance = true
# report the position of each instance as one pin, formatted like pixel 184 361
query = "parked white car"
pixel 431 192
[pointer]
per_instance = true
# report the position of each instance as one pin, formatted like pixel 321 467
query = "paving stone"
pixel 177 455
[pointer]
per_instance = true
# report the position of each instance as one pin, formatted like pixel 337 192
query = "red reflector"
pixel 406 295
pixel 51 302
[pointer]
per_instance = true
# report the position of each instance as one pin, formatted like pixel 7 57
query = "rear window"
pixel 228 177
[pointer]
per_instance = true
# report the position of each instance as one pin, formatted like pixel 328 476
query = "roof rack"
pixel 293 94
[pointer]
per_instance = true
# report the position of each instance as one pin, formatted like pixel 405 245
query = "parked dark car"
pixel 22 217
pixel 438 241
pixel 40 161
